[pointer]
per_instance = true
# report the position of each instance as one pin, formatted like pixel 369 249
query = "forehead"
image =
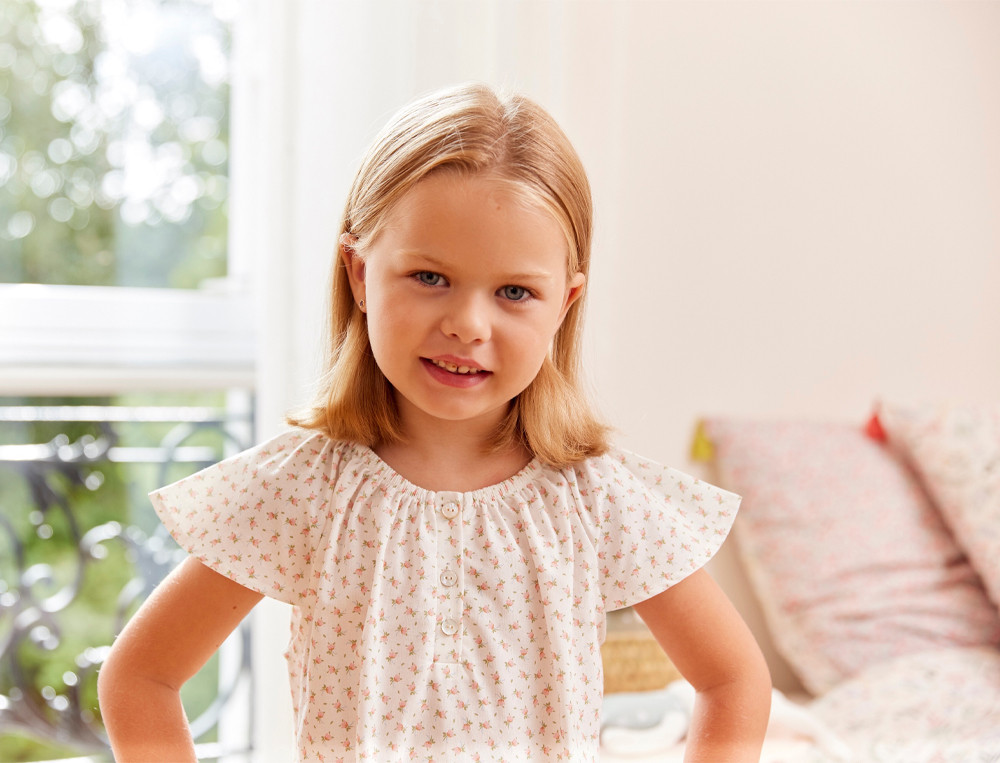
pixel 447 184
pixel 475 214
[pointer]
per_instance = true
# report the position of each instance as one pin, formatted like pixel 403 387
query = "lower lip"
pixel 454 380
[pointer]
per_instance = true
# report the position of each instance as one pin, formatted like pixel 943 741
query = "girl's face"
pixel 464 290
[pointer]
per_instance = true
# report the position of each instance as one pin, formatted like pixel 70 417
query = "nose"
pixel 468 319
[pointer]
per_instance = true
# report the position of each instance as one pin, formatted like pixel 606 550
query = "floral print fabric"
pixel 956 451
pixel 850 560
pixel 443 625
pixel 939 706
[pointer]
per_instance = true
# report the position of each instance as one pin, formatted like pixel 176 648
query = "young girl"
pixel 448 520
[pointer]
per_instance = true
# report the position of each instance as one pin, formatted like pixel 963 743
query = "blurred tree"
pixel 114 136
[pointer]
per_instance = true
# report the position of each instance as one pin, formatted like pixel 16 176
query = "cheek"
pixel 533 339
pixel 394 324
pixel 385 334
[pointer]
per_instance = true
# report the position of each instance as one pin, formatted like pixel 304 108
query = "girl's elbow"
pixel 759 674
pixel 757 690
pixel 755 682
pixel 750 670
pixel 111 679
pixel 763 690
pixel 746 687
pixel 123 670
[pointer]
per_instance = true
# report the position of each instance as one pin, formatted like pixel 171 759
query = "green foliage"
pixel 114 136
pixel 100 493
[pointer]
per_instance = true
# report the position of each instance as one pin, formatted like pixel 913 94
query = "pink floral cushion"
pixel 956 451
pixel 931 707
pixel 850 561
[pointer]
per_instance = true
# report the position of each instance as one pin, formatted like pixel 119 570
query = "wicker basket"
pixel 634 661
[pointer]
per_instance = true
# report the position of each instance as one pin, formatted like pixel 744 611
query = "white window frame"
pixel 88 340
pixel 93 340
pixel 63 340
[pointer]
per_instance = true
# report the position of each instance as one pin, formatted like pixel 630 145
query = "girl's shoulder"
pixel 620 474
pixel 652 525
pixel 618 464
pixel 258 516
pixel 292 457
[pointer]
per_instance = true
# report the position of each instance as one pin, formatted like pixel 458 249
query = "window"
pixel 114 150
pixel 80 548
pixel 126 340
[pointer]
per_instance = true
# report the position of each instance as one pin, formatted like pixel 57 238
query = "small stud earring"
pixel 361 304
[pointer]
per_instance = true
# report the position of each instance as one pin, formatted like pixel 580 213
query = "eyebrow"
pixel 432 262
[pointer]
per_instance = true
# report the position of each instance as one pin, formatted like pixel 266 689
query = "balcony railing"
pixel 80 548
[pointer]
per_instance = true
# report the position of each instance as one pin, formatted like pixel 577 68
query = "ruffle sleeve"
pixel 653 525
pixel 256 518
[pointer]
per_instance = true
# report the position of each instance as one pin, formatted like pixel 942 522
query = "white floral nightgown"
pixel 442 625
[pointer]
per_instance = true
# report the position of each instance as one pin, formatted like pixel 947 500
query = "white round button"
pixel 450 510
pixel 449 627
pixel 449 578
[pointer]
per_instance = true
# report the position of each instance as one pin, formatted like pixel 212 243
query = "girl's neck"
pixel 450 458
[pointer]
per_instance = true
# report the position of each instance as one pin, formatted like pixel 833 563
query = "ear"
pixel 354 265
pixel 574 290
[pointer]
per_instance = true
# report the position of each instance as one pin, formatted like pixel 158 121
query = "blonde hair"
pixel 470 129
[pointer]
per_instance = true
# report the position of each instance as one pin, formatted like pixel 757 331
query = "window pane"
pixel 80 548
pixel 114 136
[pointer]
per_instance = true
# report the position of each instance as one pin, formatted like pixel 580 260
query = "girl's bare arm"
pixel 173 634
pixel 712 647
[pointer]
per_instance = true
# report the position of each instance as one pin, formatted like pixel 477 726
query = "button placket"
pixel 448 631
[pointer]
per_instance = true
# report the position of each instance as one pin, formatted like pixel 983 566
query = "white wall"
pixel 797 202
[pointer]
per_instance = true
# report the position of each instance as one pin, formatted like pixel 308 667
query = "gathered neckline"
pixel 497 490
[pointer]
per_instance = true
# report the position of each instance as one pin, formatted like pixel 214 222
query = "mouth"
pixel 456 368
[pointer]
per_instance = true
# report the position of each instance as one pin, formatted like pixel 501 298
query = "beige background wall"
pixel 803 212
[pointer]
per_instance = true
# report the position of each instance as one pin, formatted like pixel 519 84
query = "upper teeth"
pixel 455 369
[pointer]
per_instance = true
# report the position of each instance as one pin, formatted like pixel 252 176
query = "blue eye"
pixel 514 293
pixel 428 278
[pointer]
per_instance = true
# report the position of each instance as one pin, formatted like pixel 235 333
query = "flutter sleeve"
pixel 653 525
pixel 256 517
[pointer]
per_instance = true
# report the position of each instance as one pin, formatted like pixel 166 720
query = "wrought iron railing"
pixel 54 558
